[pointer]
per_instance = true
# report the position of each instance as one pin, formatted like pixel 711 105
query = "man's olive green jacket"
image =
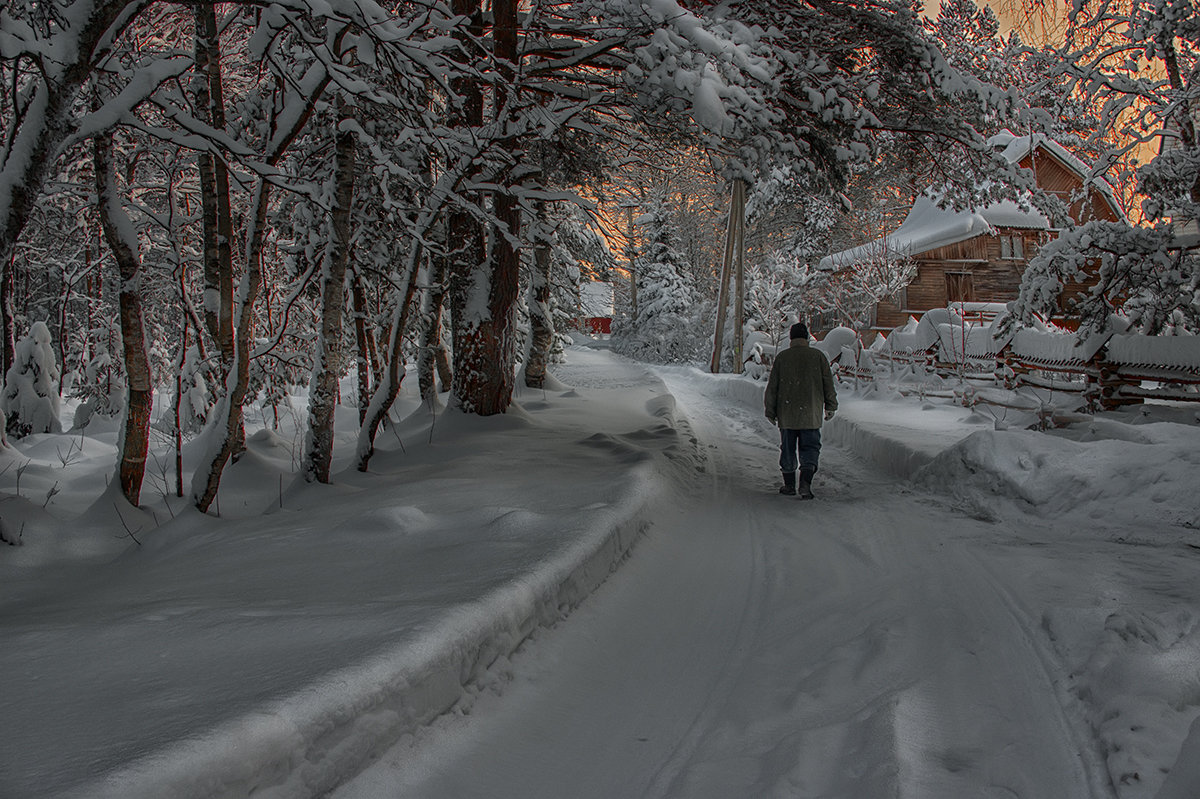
pixel 800 389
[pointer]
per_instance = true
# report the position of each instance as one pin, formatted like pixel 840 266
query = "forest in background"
pixel 219 202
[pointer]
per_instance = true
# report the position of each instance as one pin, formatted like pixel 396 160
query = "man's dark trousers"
pixel 807 442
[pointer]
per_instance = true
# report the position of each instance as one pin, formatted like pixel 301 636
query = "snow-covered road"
pixel 871 643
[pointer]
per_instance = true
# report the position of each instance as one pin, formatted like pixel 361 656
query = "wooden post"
pixel 739 299
pixel 630 256
pixel 733 238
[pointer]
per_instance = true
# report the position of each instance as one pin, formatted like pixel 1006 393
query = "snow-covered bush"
pixel 30 400
pixel 773 298
pixel 101 387
pixel 195 400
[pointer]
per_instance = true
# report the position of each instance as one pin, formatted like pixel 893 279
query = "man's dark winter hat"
pixel 799 330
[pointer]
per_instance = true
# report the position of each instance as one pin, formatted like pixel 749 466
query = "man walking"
pixel 799 392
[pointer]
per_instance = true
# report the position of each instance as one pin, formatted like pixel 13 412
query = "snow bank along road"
pixel 868 644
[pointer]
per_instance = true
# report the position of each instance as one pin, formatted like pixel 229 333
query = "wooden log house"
pixel 980 256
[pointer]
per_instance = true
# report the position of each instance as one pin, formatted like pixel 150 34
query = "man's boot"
pixel 789 484
pixel 806 477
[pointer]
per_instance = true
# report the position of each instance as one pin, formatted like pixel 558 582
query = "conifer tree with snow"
pixel 666 328
pixel 30 400
pixel 773 297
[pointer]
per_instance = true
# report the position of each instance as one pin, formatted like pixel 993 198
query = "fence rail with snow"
pixel 1107 370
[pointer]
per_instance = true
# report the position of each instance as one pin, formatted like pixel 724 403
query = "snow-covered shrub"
pixel 756 363
pixel 195 400
pixel 101 387
pixel 30 400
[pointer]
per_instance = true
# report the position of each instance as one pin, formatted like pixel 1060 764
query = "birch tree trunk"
pixel 426 377
pixel 225 424
pixel 214 189
pixel 363 361
pixel 226 417
pixel 434 367
pixel 385 393
pixel 8 326
pixel 323 389
pixel 122 240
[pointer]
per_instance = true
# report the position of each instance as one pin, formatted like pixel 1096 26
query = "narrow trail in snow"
pixel 759 646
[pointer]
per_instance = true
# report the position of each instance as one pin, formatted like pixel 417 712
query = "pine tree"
pixel 30 399
pixel 666 327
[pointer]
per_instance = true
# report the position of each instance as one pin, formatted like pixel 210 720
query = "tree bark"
pixel 484 343
pixel 434 367
pixel 541 320
pixel 361 334
pixel 323 390
pixel 118 232
pixel 214 188
pixel 178 431
pixel 8 325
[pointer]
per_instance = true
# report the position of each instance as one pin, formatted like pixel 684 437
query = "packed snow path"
pixel 866 644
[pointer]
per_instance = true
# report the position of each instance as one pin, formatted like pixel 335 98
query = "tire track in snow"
pixel 1091 767
pixel 949 715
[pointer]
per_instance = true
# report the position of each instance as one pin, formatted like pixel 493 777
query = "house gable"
pixel 981 255
pixel 1064 181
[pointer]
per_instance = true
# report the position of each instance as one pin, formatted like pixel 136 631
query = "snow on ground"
pixel 968 608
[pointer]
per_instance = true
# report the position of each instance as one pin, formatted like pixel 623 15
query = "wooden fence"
pixel 1106 371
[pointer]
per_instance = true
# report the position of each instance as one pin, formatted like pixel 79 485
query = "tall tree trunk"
pixel 118 232
pixel 541 320
pixel 214 188
pixel 323 390
pixel 435 363
pixel 484 343
pixel 222 433
pixel 389 386
pixel 426 375
pixel 226 417
pixel 463 231
pixel 8 325
pixel 178 431
pixel 216 214
pixel 361 338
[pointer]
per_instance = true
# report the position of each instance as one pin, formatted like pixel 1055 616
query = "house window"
pixel 900 299
pixel 959 287
pixel 1012 248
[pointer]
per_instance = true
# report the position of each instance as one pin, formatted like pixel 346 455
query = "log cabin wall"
pixel 993 276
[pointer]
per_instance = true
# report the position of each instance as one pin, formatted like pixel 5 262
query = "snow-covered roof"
pixel 928 227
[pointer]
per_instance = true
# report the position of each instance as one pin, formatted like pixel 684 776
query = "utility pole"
pixel 630 255
pixel 732 265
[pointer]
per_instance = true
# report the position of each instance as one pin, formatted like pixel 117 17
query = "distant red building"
pixel 596 308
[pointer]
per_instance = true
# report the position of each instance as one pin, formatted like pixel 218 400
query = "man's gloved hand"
pixel 829 414
pixel 771 419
